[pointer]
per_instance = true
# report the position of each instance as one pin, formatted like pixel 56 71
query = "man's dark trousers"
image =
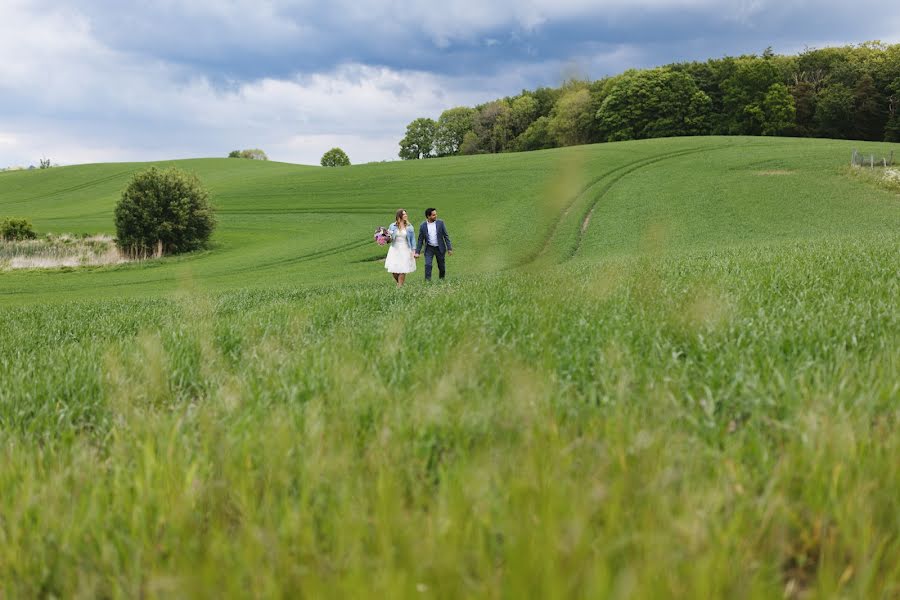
pixel 432 252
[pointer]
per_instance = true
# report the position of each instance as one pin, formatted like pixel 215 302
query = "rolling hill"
pixel 288 224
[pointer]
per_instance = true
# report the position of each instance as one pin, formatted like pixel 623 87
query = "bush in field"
pixel 254 154
pixel 164 212
pixel 335 158
pixel 251 153
pixel 16 229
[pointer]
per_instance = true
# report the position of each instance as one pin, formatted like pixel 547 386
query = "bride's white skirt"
pixel 399 259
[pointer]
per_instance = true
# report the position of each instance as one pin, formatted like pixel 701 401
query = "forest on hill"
pixel 848 92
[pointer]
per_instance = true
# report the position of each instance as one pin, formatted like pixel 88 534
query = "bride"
pixel 401 255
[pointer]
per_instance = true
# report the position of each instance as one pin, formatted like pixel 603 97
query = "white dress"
pixel 399 257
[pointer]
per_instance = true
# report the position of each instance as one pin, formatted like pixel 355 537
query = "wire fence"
pixel 858 159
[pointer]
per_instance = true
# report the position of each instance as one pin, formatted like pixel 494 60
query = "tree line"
pixel 848 92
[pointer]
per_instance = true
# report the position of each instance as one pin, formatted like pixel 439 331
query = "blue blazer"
pixel 443 237
pixel 410 234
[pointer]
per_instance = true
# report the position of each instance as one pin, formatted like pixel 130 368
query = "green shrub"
pixel 164 212
pixel 16 229
pixel 254 154
pixel 250 153
pixel 335 158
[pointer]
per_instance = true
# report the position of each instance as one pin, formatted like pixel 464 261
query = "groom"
pixel 433 233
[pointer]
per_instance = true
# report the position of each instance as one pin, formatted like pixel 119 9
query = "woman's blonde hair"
pixel 399 216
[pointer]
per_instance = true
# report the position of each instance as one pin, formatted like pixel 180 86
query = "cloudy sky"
pixel 122 80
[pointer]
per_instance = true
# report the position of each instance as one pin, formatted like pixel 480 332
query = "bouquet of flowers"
pixel 382 236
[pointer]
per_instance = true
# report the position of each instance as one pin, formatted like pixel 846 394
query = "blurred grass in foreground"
pixel 709 424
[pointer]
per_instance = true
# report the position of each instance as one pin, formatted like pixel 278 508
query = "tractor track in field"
pixel 295 259
pixel 257 211
pixel 627 170
pixel 617 174
pixel 103 214
pixel 304 211
pixel 255 267
pixel 67 190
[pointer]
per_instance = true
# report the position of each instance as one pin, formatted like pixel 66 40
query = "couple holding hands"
pixel 402 255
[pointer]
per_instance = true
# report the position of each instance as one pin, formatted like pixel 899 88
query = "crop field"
pixel 667 368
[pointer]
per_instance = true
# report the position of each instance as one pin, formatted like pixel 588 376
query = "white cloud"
pixel 99 80
pixel 79 101
pixel 157 114
pixel 69 97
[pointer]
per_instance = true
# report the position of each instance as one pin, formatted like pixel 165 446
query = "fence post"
pixel 853 158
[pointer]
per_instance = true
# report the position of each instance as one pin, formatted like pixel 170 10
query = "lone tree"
pixel 163 212
pixel 335 158
pixel 234 154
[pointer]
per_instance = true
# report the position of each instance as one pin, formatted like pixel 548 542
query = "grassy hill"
pixel 659 369
pixel 287 224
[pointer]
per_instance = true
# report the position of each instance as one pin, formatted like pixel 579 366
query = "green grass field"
pixel 665 368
